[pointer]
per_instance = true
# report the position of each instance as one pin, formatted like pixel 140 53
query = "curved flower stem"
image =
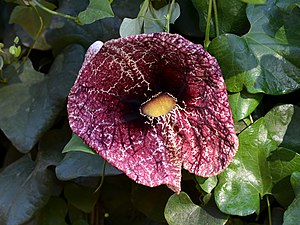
pixel 158 21
pixel 37 34
pixel 143 9
pixel 269 210
pixel 34 2
pixel 207 31
pixel 169 16
pixel 102 177
pixel 216 17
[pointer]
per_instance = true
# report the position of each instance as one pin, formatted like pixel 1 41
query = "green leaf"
pixel 80 164
pixel 116 197
pixel 278 121
pixel 80 222
pixel 271 48
pixel 28 21
pixel 26 188
pixel 54 212
pixel 291 215
pixel 83 198
pixel 149 20
pixel 283 162
pixel 254 1
pixel 242 104
pixel 96 10
pixel 155 20
pixel 187 24
pixel 77 144
pixel 231 16
pixel 62 32
pixel 207 184
pixel 283 192
pixel 106 29
pixel 151 201
pixel 291 137
pixel 131 27
pixel 249 176
pixel 181 210
pixel 50 147
pixel 134 26
pixel 32 107
pixel 1 62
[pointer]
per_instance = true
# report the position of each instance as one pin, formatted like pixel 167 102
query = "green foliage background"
pixel 48 176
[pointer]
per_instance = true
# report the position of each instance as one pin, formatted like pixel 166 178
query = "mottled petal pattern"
pixel 117 77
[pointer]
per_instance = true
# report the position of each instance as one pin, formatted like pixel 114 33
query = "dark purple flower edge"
pixel 118 76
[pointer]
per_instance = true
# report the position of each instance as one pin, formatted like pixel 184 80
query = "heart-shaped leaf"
pixel 231 16
pixel 267 58
pixel 242 104
pixel 96 10
pixel 291 215
pixel 248 177
pixel 181 210
pixel 80 164
pixel 38 103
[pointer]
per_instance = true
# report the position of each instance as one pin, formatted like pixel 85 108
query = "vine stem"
pixel 34 2
pixel 37 34
pixel 143 9
pixel 216 17
pixel 207 31
pixel 102 177
pixel 169 16
pixel 269 210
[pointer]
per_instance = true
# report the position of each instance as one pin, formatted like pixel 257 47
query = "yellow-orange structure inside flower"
pixel 158 105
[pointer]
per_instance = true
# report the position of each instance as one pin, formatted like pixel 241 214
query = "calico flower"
pixel 152 104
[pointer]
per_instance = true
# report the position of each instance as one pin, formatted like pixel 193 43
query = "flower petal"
pixel 115 80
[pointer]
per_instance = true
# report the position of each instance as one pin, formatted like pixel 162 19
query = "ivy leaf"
pixel 207 184
pixel 151 201
pixel 231 16
pixel 187 24
pixel 271 48
pixel 76 144
pixel 54 212
pixel 254 1
pixel 181 210
pixel 62 32
pixel 131 26
pixel 80 164
pixel 134 26
pixel 149 20
pixel 29 18
pixel 155 20
pixel 83 198
pixel 291 137
pixel 27 188
pixel 283 162
pixel 291 215
pixel 96 10
pixel 242 104
pixel 28 184
pixel 249 176
pixel 38 102
pixel 28 21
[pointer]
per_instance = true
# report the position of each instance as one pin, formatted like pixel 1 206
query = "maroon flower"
pixel 151 104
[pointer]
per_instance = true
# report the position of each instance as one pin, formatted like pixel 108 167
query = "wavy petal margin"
pixel 118 76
